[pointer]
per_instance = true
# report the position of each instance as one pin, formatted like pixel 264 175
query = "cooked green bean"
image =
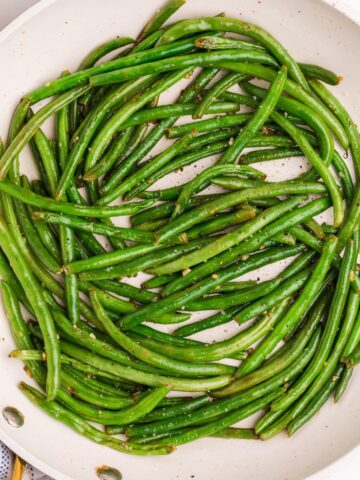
pixel 160 17
pixel 317 403
pixel 28 131
pixel 201 180
pixel 208 59
pixel 31 198
pixel 149 356
pixel 295 311
pixel 179 299
pixel 157 133
pixel 331 328
pixel 202 212
pixel 35 296
pixel 248 246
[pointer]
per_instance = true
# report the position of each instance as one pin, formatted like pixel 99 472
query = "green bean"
pixel 268 155
pixel 202 212
pixel 190 405
pixel 215 91
pixel 258 118
pixel 33 240
pixel 148 332
pixel 344 175
pixel 220 222
pixel 150 379
pixel 257 141
pixel 337 108
pixel 67 241
pixel 18 327
pixel 206 323
pixel 16 124
pixel 112 126
pixel 91 124
pixel 342 383
pixel 31 198
pixel 157 133
pixel 319 73
pixel 292 352
pixel 122 417
pixel 75 422
pixel 17 121
pixel 208 59
pixel 307 115
pixel 160 17
pixel 124 233
pixel 128 291
pixel 209 42
pixel 229 240
pixel 260 290
pixel 97 385
pixel 44 232
pixel 178 110
pixel 238 433
pixel 186 27
pixel 354 337
pixel 10 278
pixel 224 422
pixel 114 304
pixel 158 281
pixel 67 238
pixel 250 245
pixel 236 286
pixel 103 49
pixel 45 278
pixel 181 298
pixel 162 210
pixel 316 404
pixel 316 228
pixel 236 401
pixel 295 312
pixel 47 155
pixel 198 183
pixel 331 328
pixel 269 301
pixel 147 42
pixel 135 58
pixel 111 258
pixel 153 225
pixel 153 358
pixel 334 351
pixel 110 158
pixel 31 127
pixel 295 91
pixel 226 348
pixel 235 183
pixel 152 166
pixel 220 302
pixel 130 268
pixel 34 294
pixel 200 126
pixel 318 164
pixel 180 162
pixel 79 388
pixel 88 240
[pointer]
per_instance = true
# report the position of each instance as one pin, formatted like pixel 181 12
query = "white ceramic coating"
pixel 55 35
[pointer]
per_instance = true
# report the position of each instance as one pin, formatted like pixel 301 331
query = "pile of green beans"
pixel 93 344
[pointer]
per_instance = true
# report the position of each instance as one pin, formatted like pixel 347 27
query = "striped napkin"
pixel 6 467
